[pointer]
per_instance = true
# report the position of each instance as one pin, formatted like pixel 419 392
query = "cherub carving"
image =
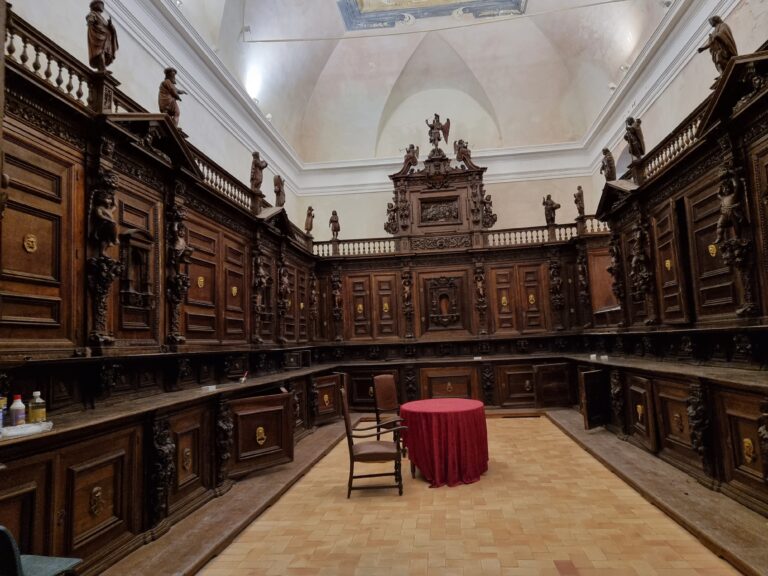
pixel 391 225
pixel 411 158
pixel 731 214
pixel 463 153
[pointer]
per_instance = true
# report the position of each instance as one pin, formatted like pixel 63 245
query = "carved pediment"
pixel 276 217
pixel 613 192
pixel 744 81
pixel 156 134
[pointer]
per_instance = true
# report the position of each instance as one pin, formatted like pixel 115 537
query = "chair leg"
pixel 351 475
pixel 399 475
pixel 413 469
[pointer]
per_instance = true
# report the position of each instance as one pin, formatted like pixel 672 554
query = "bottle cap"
pixel 35 394
pixel 17 396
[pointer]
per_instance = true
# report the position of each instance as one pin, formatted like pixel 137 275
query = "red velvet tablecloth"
pixel 447 439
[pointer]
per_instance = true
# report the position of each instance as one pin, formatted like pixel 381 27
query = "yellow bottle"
pixel 36 408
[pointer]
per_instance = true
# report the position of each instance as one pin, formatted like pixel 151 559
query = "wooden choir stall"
pixel 136 274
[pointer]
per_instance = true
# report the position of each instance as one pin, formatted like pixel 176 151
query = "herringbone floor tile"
pixel 545 507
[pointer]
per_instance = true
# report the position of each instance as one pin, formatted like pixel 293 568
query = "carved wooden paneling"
pixel 715 294
pixel 515 383
pixel 101 494
pixel 605 306
pixel 358 310
pixel 201 309
pixel 263 434
pixel 326 398
pixel 444 301
pixel 532 298
pixel 670 266
pixel 25 503
pixel 504 300
pixel 453 382
pixel 236 294
pixel 552 385
pixel 40 266
pixel 744 461
pixel 641 412
pixel 758 194
pixel 136 305
pixel 302 305
pixel 671 398
pixel 268 315
pixel 292 306
pixel 191 434
pixel 386 301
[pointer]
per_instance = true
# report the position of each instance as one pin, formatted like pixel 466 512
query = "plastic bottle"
pixel 17 411
pixel 3 402
pixel 36 408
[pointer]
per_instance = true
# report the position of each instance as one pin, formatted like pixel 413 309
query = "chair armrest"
pixel 383 425
pixel 385 431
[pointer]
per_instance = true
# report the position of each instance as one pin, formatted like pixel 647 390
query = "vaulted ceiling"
pixel 355 79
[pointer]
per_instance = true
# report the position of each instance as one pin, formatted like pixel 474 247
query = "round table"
pixel 447 439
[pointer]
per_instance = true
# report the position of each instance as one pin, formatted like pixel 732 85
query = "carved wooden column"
pixel 488 383
pixel 616 270
pixel 337 303
pixel 163 469
pixel 101 268
pixel 556 296
pixel 481 299
pixel 582 276
pixel 259 286
pixel 698 420
pixel 619 403
pixel 283 297
pixel 406 279
pixel 314 308
pixel 178 255
pixel 762 436
pixel 641 270
pixel 225 428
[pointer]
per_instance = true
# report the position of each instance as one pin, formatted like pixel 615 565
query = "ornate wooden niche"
pixel 439 206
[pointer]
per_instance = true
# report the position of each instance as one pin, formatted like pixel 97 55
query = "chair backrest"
pixel 385 393
pixel 347 421
pixel 10 557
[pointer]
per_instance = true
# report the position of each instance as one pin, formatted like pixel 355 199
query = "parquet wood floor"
pixel 545 507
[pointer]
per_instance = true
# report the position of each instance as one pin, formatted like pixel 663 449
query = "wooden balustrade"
pixel 28 50
pixel 223 183
pixel 674 145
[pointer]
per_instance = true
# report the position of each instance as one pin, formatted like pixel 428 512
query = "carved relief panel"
pixel 670 276
pixel 135 303
pixel 605 306
pixel 39 231
pixel 672 398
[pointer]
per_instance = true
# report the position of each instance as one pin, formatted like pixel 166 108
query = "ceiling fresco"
pixel 373 14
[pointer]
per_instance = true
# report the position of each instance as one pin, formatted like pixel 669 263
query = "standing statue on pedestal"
pixel 578 198
pixel 436 128
pixel 550 207
pixel 635 139
pixel 463 153
pixel 102 37
pixel 169 96
pixel 411 159
pixel 309 221
pixel 721 44
pixel 257 172
pixel 608 166
pixel 334 224
pixel 279 190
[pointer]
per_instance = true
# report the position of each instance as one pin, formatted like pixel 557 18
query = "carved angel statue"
pixel 391 224
pixel 436 128
pixel 257 172
pixel 608 166
pixel 102 37
pixel 279 190
pixel 731 214
pixel 411 158
pixel 103 221
pixel 463 153
pixel 635 139
pixel 721 43
pixel 169 96
pixel 335 225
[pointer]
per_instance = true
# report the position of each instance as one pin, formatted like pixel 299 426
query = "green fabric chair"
pixel 13 563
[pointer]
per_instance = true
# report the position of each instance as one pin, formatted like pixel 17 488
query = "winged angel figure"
pixel 436 128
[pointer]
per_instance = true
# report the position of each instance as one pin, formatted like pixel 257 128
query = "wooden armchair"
pixel 12 563
pixel 372 450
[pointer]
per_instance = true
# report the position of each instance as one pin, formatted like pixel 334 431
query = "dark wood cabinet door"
pixel 263 432
pixel 642 417
pixel 453 382
pixel 504 306
pixel 201 320
pixel 532 298
pixel 515 383
pixel 552 385
pixel 41 248
pixel 386 316
pixel 26 502
pixel 595 398
pixel 358 313
pixel 191 432
pixel 670 270
pixel 327 398
pixel 235 287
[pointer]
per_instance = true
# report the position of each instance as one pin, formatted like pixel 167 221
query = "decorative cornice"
pixel 665 55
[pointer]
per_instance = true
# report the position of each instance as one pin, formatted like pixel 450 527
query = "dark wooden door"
pixel 595 397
